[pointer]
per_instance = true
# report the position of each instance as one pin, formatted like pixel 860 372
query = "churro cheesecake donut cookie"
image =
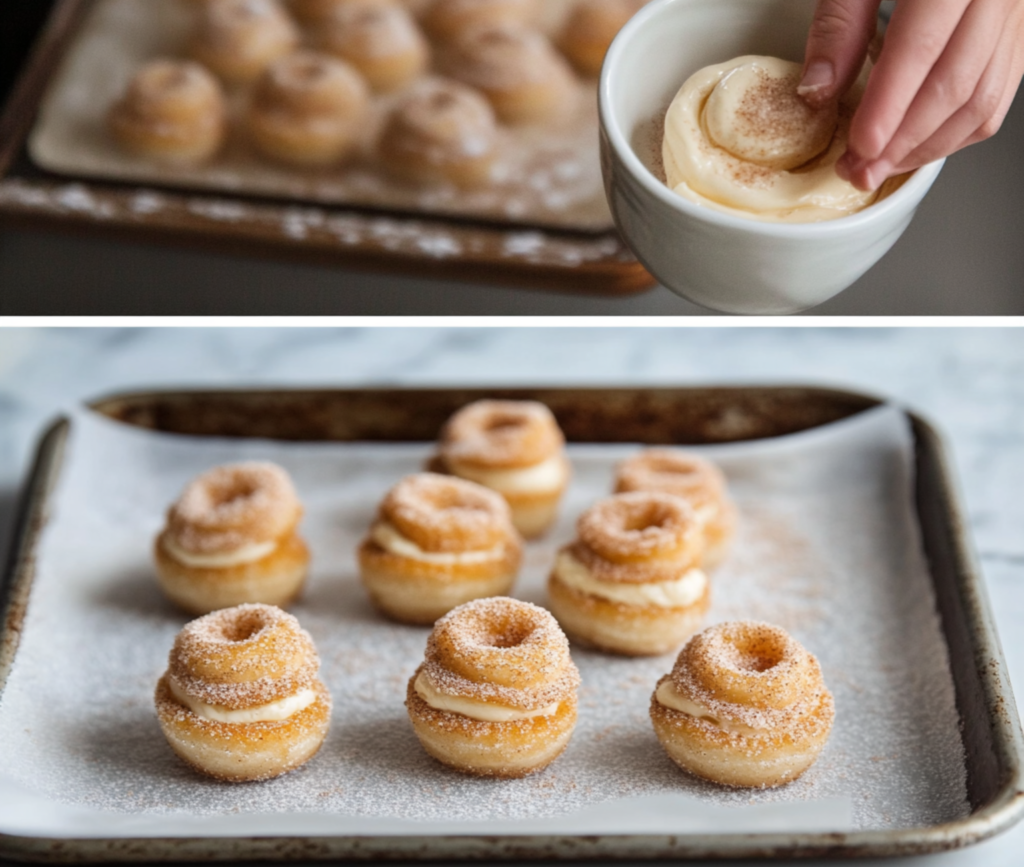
pixel 172 111
pixel 745 705
pixel 516 68
pixel 307 109
pixel 241 699
pixel 589 29
pixel 739 139
pixel 446 19
pixel 238 39
pixel 631 583
pixel 514 447
pixel 231 538
pixel 438 542
pixel 496 694
pixel 381 40
pixel 696 480
pixel 441 132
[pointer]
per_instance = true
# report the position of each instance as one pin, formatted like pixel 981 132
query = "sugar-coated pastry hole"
pixel 244 626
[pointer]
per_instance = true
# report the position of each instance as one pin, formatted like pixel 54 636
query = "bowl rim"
pixel 909 194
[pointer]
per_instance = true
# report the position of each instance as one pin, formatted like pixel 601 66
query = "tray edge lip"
pixel 1005 809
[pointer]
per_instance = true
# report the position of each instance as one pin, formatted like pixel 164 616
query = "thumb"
pixel 836 47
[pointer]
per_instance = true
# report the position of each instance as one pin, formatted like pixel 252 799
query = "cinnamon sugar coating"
pixel 501 434
pixel 761 712
pixel 172 110
pixel 447 18
pixel 642 527
pixel 501 650
pixel 237 39
pixel 447 514
pixel 234 505
pixel 243 657
pixel 696 480
pixel 518 70
pixel 441 131
pixel 508 654
pixel 381 40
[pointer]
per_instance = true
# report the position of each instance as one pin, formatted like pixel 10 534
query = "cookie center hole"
pixel 756 656
pixel 242 629
pixel 504 425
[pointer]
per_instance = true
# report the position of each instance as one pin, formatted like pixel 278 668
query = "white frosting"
pixel 390 539
pixel 547 476
pixel 473 708
pixel 246 554
pixel 273 712
pixel 668 696
pixel 678 593
pixel 717 154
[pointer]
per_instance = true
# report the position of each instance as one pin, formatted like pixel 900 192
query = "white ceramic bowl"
pixel 712 258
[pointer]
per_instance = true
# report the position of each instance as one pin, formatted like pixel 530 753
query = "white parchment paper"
pixel 828 547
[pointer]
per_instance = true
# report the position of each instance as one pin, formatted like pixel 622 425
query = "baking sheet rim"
pixel 1005 809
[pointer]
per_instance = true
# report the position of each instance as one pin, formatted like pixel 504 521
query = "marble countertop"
pixel 969 381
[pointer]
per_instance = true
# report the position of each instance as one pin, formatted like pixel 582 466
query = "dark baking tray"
pixel 560 260
pixel 992 737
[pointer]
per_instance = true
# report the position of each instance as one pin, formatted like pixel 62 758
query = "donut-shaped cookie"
pixel 496 694
pixel 696 480
pixel 238 39
pixel 241 699
pixel 589 29
pixel 515 448
pixel 230 538
pixel 381 40
pixel 516 68
pixel 745 705
pixel 438 542
pixel 446 19
pixel 173 111
pixel 307 109
pixel 317 12
pixel 440 132
pixel 632 581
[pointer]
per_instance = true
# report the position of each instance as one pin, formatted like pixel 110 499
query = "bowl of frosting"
pixel 720 178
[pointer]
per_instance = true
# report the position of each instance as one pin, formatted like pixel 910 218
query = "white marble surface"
pixel 970 381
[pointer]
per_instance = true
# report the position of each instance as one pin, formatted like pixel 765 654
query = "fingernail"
pixel 877 173
pixel 815 86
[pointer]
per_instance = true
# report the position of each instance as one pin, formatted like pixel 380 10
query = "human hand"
pixel 945 78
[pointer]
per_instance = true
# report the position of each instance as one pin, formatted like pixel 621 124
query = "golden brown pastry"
pixel 496 695
pixel 381 40
pixel 230 538
pixel 745 705
pixel 516 68
pixel 446 19
pixel 589 29
pixel 238 39
pixel 631 583
pixel 514 447
pixel 307 109
pixel 438 542
pixel 317 12
pixel 241 699
pixel 697 481
pixel 173 111
pixel 441 132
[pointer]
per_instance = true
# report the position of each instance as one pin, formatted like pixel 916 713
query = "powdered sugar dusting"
pixel 825 548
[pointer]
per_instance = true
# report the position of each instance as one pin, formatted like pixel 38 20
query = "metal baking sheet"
pixel 735 414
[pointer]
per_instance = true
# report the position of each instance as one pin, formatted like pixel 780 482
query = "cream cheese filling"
pixel 273 712
pixel 678 593
pixel 548 475
pixel 391 539
pixel 700 167
pixel 473 708
pixel 246 554
pixel 668 696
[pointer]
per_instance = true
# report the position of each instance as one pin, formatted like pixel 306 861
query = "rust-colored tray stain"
pixel 993 742
pixel 379 241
